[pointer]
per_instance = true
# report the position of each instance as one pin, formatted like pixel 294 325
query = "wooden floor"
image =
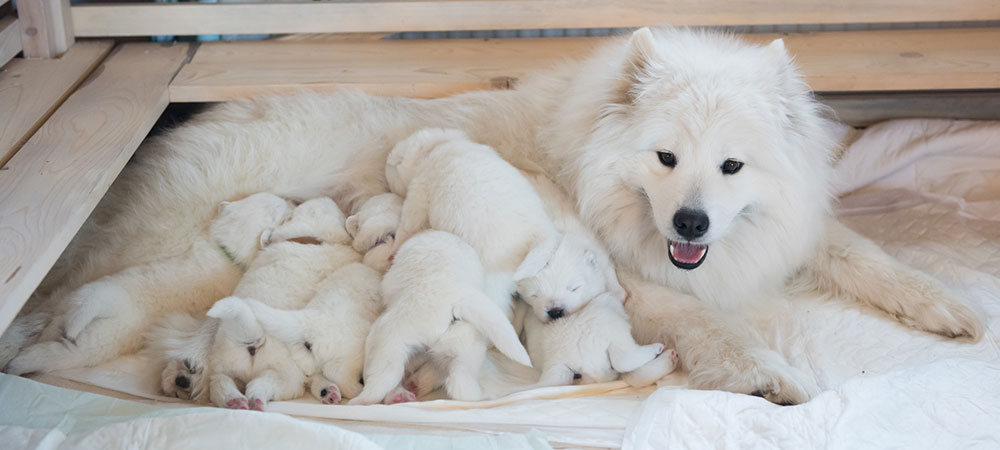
pixel 68 126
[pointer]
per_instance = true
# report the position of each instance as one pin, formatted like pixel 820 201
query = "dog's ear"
pixel 225 308
pixel 639 53
pixel 777 47
pixel 537 258
pixel 590 257
pixel 352 225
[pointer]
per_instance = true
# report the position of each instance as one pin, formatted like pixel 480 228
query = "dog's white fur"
pixel 333 326
pixel 435 297
pixel 108 317
pixel 284 275
pixel 594 345
pixel 373 228
pixel 595 127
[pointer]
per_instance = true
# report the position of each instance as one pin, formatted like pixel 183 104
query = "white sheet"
pixel 930 192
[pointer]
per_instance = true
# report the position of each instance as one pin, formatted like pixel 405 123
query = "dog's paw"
pixel 256 404
pixel 330 395
pixel 238 403
pixel 759 372
pixel 400 395
pixel 944 315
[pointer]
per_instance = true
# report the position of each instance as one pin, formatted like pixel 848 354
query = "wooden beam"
pixel 46 27
pixel 10 39
pixel 850 61
pixel 861 110
pixel 443 15
pixel 49 188
pixel 32 89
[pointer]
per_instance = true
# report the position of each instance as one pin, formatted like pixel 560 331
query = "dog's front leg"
pixel 848 263
pixel 718 353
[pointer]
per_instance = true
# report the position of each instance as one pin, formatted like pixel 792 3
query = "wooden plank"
pixel 49 188
pixel 443 15
pixel 30 90
pixel 46 27
pixel 855 61
pixel 861 110
pixel 10 39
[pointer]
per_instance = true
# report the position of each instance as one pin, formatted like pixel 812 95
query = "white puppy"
pixel 434 295
pixel 333 327
pixel 594 345
pixel 298 255
pixel 107 317
pixel 184 342
pixel 373 228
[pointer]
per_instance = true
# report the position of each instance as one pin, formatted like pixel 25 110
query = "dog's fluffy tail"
pixel 21 332
pixel 283 324
pixel 477 309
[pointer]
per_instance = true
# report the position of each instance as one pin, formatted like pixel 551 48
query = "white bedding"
pixel 929 191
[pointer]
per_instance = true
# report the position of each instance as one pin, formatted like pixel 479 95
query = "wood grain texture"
pixel 49 188
pixel 443 15
pixel 30 90
pixel 46 27
pixel 833 62
pixel 10 39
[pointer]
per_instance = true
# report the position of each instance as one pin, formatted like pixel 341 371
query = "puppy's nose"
pixel 691 223
pixel 182 382
pixel 252 350
pixel 556 313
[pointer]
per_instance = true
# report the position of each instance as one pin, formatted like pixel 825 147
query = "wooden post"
pixel 46 27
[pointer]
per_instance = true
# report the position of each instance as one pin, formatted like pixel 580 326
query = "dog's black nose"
pixel 252 350
pixel 691 223
pixel 556 313
pixel 182 382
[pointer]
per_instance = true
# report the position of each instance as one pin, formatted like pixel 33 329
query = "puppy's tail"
pixel 280 323
pixel 489 319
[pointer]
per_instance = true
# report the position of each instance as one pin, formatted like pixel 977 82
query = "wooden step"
pixel 52 184
pixel 946 59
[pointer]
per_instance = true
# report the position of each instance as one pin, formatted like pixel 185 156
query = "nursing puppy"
pixel 628 132
pixel 182 343
pixel 594 345
pixel 332 327
pixel 298 255
pixel 373 228
pixel 108 317
pixel 435 300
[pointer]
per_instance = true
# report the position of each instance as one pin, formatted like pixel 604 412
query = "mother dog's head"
pixel 701 160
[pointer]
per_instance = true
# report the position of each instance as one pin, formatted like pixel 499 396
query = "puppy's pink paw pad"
pixel 330 395
pixel 403 397
pixel 411 386
pixel 672 354
pixel 257 404
pixel 237 403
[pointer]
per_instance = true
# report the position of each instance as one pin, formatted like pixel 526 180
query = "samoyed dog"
pixel 702 162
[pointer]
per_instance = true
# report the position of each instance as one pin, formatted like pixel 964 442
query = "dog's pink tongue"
pixel 687 253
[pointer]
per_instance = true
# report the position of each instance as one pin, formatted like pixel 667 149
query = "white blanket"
pixel 930 192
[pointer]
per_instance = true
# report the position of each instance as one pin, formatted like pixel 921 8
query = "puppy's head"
pixel 375 222
pixel 558 280
pixel 406 156
pixel 238 324
pixel 319 218
pixel 241 225
pixel 183 379
pixel 708 135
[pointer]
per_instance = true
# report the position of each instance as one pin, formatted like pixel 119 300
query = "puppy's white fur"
pixel 333 327
pixel 595 126
pixel 108 317
pixel 435 299
pixel 373 228
pixel 594 345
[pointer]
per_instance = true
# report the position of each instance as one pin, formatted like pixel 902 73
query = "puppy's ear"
pixel 352 226
pixel 613 286
pixel 640 51
pixel 225 308
pixel 265 238
pixel 590 257
pixel 537 258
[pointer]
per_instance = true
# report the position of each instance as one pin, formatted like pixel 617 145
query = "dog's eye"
pixel 667 159
pixel 574 289
pixel 731 166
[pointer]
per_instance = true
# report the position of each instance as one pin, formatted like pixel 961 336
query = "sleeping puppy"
pixel 592 346
pixel 107 317
pixel 298 255
pixel 373 228
pixel 333 327
pixel 435 299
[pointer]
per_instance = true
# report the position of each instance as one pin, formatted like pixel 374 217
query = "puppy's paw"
pixel 673 357
pixel 330 395
pixel 256 404
pixel 400 395
pixel 238 403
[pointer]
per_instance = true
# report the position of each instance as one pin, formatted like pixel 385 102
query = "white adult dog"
pixel 644 126
pixel 108 317
pixel 435 297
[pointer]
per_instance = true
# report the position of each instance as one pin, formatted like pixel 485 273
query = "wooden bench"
pixel 69 123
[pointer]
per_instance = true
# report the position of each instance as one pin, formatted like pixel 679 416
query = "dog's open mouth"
pixel 686 255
